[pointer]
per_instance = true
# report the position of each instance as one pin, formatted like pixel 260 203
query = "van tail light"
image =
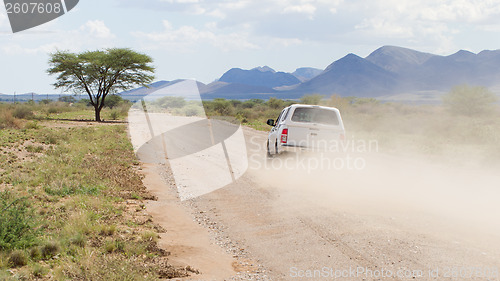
pixel 284 135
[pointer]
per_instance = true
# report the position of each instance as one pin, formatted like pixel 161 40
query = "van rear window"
pixel 315 115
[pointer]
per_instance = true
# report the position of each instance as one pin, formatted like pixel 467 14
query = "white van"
pixel 305 126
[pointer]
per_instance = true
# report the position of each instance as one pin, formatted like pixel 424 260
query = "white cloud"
pixel 301 9
pixel 89 35
pixel 186 38
pixel 97 29
pixel 408 22
pixel 182 1
pixel 430 23
pixel 3 20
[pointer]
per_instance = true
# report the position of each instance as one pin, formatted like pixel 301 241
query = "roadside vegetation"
pixel 66 108
pixel 465 128
pixel 72 200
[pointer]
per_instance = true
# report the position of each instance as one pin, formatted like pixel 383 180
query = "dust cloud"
pixel 433 195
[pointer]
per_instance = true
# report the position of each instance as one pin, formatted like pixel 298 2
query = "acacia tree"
pixel 99 73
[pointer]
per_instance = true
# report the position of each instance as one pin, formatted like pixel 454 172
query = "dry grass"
pixel 84 192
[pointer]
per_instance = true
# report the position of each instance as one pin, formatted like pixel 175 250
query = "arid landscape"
pixel 419 202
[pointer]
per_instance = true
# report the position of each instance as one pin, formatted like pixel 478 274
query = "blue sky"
pixel 202 39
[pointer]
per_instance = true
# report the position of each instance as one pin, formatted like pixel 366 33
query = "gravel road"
pixel 378 217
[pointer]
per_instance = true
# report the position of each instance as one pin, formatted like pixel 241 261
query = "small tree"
pixel 113 101
pixel 99 73
pixel 223 107
pixel 275 103
pixel 311 99
pixel 68 99
pixel 339 102
pixel 469 100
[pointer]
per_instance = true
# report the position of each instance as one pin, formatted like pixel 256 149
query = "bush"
pixel 35 253
pixel 467 100
pixel 222 107
pixel 79 240
pixel 39 271
pixel 339 102
pixel 17 224
pixel 275 103
pixel 114 114
pixel 7 120
pixel 17 259
pixel 67 99
pixel 49 250
pixel 311 99
pixel 114 246
pixel 112 101
pixel 248 104
pixel 54 110
pixel 193 110
pixel 22 112
pixel 85 102
pixel 32 125
pixel 171 102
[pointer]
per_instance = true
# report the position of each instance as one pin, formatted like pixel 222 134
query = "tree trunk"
pixel 97 114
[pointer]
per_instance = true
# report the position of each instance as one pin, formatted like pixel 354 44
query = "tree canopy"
pixel 99 73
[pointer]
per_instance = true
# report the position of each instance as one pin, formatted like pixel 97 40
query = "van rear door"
pixel 314 127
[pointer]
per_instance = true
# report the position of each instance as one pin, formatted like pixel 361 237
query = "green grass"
pixel 62 198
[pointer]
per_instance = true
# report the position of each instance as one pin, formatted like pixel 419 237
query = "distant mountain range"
pixel 388 73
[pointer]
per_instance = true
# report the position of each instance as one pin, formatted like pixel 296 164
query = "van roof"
pixel 312 106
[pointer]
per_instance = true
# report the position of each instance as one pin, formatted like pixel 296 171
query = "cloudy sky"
pixel 202 39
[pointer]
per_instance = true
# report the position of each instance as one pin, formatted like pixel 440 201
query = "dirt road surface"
pixel 356 215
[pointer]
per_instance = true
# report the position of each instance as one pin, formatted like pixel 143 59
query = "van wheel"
pixel 268 154
pixel 276 148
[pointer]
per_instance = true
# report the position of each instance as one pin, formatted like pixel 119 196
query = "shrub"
pixel 39 271
pixel 236 103
pixel 339 102
pixel 114 114
pixel 275 103
pixel 248 104
pixel 114 246
pixel 22 112
pixel 150 236
pixel 17 223
pixel 49 250
pixel 53 110
pixel 17 259
pixel 311 99
pixel 7 120
pixel 192 110
pixel 32 125
pixel 222 107
pixel 171 102
pixel 467 100
pixel 79 240
pixel 107 230
pixel 112 101
pixel 85 102
pixel 67 99
pixel 35 253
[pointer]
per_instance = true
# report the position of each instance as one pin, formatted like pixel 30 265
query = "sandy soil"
pixel 394 219
pixel 189 243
